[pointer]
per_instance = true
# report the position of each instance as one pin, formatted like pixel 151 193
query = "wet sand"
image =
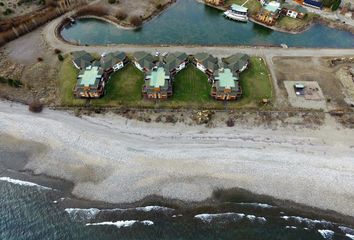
pixel 115 160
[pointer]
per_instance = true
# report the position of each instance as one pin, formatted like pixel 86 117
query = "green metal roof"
pixel 158 77
pixel 226 78
pixel 89 76
pixel 238 8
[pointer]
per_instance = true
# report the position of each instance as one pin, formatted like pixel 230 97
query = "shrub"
pixel 111 1
pixel 8 11
pixel 121 15
pixel 136 21
pixel 60 57
pixel 92 10
pixel 35 106
pixel 57 51
pixel 230 122
pixel 39 59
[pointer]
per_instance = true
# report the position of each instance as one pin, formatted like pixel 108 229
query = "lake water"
pixel 30 212
pixel 190 22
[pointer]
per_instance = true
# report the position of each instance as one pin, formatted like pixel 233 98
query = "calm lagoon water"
pixel 189 22
pixel 30 213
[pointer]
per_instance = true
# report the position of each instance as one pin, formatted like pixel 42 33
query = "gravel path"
pixel 117 160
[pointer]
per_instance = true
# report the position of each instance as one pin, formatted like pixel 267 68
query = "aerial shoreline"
pixel 123 161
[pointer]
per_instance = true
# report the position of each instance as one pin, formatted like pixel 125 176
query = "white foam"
pixel 81 213
pixel 346 229
pixel 153 208
pixel 120 224
pixel 260 205
pixel 23 183
pixel 90 213
pixel 350 236
pixel 326 234
pixel 207 217
pixel 308 221
pixel 291 227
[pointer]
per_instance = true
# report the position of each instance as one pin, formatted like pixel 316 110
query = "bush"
pixel 136 21
pixel 57 51
pixel 11 82
pixel 111 1
pixel 92 10
pixel 121 15
pixel 230 122
pixel 39 59
pixel 60 57
pixel 35 106
pixel 8 11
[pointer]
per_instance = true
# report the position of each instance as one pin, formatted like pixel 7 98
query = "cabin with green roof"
pixel 237 63
pixel 157 84
pixel 206 63
pixel 293 10
pixel 225 85
pixel 81 59
pixel 114 61
pixel 143 61
pixel 175 62
pixel 90 83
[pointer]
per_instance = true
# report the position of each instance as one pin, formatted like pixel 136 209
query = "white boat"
pixel 237 13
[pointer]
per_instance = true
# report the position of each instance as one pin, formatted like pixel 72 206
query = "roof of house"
pixel 238 8
pixel 90 77
pixel 295 7
pixel 226 80
pixel 207 60
pixel 272 6
pixel 173 60
pixel 157 78
pixel 146 60
pixel 111 59
pixel 82 59
pixel 236 62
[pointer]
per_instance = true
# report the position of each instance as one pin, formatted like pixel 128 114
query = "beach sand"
pixel 115 160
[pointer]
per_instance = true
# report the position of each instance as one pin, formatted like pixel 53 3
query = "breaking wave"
pixel 326 234
pixel 350 236
pixel 23 183
pixel 207 217
pixel 82 214
pixel 120 224
pixel 309 222
pixel 260 205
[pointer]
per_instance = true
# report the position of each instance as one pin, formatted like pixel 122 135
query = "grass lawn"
pixel 256 84
pixel 67 80
pixel 191 85
pixel 292 24
pixel 124 87
pixel 252 5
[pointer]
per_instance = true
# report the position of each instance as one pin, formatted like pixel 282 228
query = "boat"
pixel 237 13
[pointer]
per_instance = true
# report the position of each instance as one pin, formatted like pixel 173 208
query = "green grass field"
pixel 124 87
pixel 256 83
pixel 67 80
pixel 191 85
pixel 291 24
pixel 191 89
